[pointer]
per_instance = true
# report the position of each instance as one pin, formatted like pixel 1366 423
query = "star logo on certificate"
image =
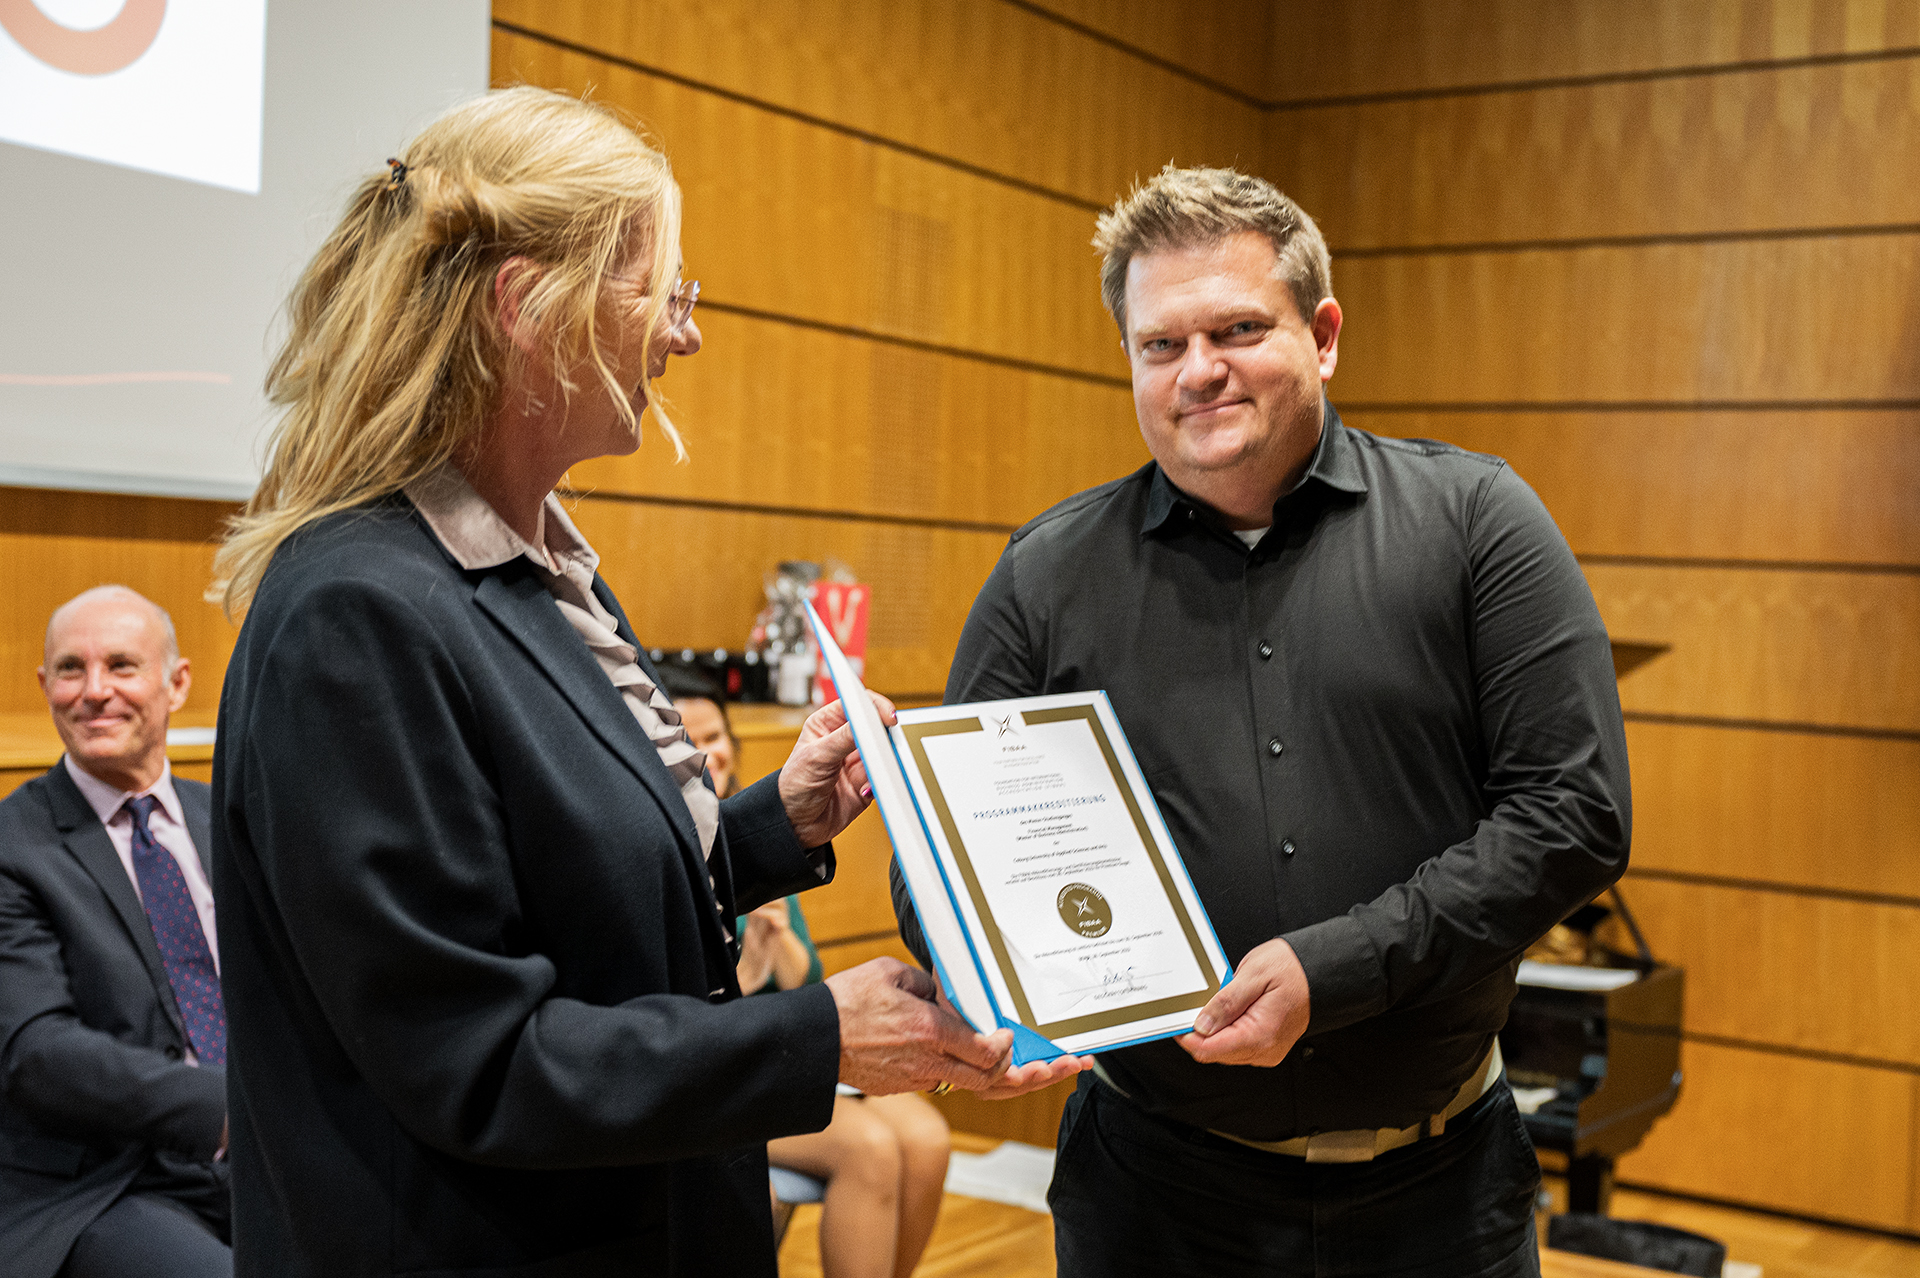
pixel 1006 726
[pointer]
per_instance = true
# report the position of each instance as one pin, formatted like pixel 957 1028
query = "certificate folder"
pixel 1048 889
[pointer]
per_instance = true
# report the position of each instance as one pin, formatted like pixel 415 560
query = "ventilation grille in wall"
pixel 898 563
pixel 912 270
pixel 902 458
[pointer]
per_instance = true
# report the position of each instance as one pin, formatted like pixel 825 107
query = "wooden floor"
pixel 978 1239
pixel 974 1239
pixel 1782 1248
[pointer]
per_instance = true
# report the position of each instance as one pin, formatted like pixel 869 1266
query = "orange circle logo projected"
pixel 102 51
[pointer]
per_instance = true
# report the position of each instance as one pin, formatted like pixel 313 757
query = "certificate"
pixel 1047 885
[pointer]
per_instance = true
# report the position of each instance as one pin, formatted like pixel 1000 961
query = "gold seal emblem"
pixel 1083 909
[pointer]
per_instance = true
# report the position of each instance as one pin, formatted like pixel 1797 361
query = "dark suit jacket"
pixel 482 1016
pixel 93 1091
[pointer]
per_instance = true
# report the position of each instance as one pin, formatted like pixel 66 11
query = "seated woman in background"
pixel 884 1158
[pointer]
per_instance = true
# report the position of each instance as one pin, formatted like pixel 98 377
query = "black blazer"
pixel 482 1015
pixel 92 1086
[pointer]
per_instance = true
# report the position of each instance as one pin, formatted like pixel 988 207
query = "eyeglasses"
pixel 680 305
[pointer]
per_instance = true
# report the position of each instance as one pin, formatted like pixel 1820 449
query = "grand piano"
pixel 1593 1051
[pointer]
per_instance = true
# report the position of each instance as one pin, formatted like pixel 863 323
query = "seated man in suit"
pixel 113 1100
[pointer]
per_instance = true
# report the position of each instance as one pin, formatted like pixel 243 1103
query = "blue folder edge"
pixel 1028 1043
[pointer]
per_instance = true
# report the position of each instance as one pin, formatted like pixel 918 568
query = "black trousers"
pixel 173 1221
pixel 1135 1194
pixel 148 1235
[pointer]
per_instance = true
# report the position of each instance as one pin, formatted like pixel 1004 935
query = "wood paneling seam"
pixel 1913 1166
pixel 916 344
pixel 1604 77
pixel 1783 889
pixel 1134 51
pixel 1633 406
pixel 1628 241
pixel 1772 725
pixel 863 938
pixel 1803 1053
pixel 793 512
pixel 1753 565
pixel 791 113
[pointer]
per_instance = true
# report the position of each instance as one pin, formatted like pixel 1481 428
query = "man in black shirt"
pixel 1374 699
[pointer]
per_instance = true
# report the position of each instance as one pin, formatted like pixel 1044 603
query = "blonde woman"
pixel 475 891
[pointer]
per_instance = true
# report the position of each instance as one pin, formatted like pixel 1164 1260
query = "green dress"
pixel 798 922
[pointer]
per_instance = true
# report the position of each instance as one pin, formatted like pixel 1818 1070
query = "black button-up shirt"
pixel 1388 732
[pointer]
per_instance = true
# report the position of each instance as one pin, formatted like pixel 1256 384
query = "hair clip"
pixel 396 174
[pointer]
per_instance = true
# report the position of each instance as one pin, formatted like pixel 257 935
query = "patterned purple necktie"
pixel 182 941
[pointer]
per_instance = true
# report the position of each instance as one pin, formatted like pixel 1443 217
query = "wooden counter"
pixel 29 746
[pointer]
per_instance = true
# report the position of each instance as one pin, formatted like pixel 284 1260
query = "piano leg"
pixel 1590 1183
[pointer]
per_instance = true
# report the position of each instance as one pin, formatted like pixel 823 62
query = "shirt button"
pixel 1275 749
pixel 1286 847
pixel 1265 650
pixel 1306 1053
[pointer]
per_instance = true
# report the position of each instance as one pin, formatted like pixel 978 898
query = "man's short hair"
pixel 1182 208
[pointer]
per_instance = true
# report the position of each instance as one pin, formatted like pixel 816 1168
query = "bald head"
pixel 113 675
pixel 125 597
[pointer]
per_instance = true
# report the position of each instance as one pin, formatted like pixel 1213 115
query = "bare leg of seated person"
pixel 884 1160
pixel 925 1143
pixel 147 1235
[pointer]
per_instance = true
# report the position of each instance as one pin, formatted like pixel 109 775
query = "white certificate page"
pixel 1080 912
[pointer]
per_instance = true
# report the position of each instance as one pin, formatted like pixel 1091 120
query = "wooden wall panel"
pixel 838 958
pixel 1403 46
pixel 12 779
pixel 789 217
pixel 1786 646
pixel 1033 1118
pixel 1714 485
pixel 775 414
pixel 1557 244
pixel 1833 812
pixel 53 545
pixel 859 901
pixel 1780 968
pixel 1823 319
pixel 1754 151
pixel 1227 41
pixel 977 81
pixel 693 578
pixel 1808 1136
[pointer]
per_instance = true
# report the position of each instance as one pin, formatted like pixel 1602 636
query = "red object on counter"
pixel 844 606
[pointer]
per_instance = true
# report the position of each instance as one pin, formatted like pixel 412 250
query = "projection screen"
pixel 166 168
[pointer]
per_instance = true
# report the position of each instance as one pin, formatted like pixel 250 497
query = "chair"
pixel 790 1189
pixel 1638 1242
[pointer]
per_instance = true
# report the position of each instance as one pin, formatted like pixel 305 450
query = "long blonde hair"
pixel 392 356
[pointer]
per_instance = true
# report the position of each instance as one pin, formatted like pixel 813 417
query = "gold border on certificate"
pixel 915 732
